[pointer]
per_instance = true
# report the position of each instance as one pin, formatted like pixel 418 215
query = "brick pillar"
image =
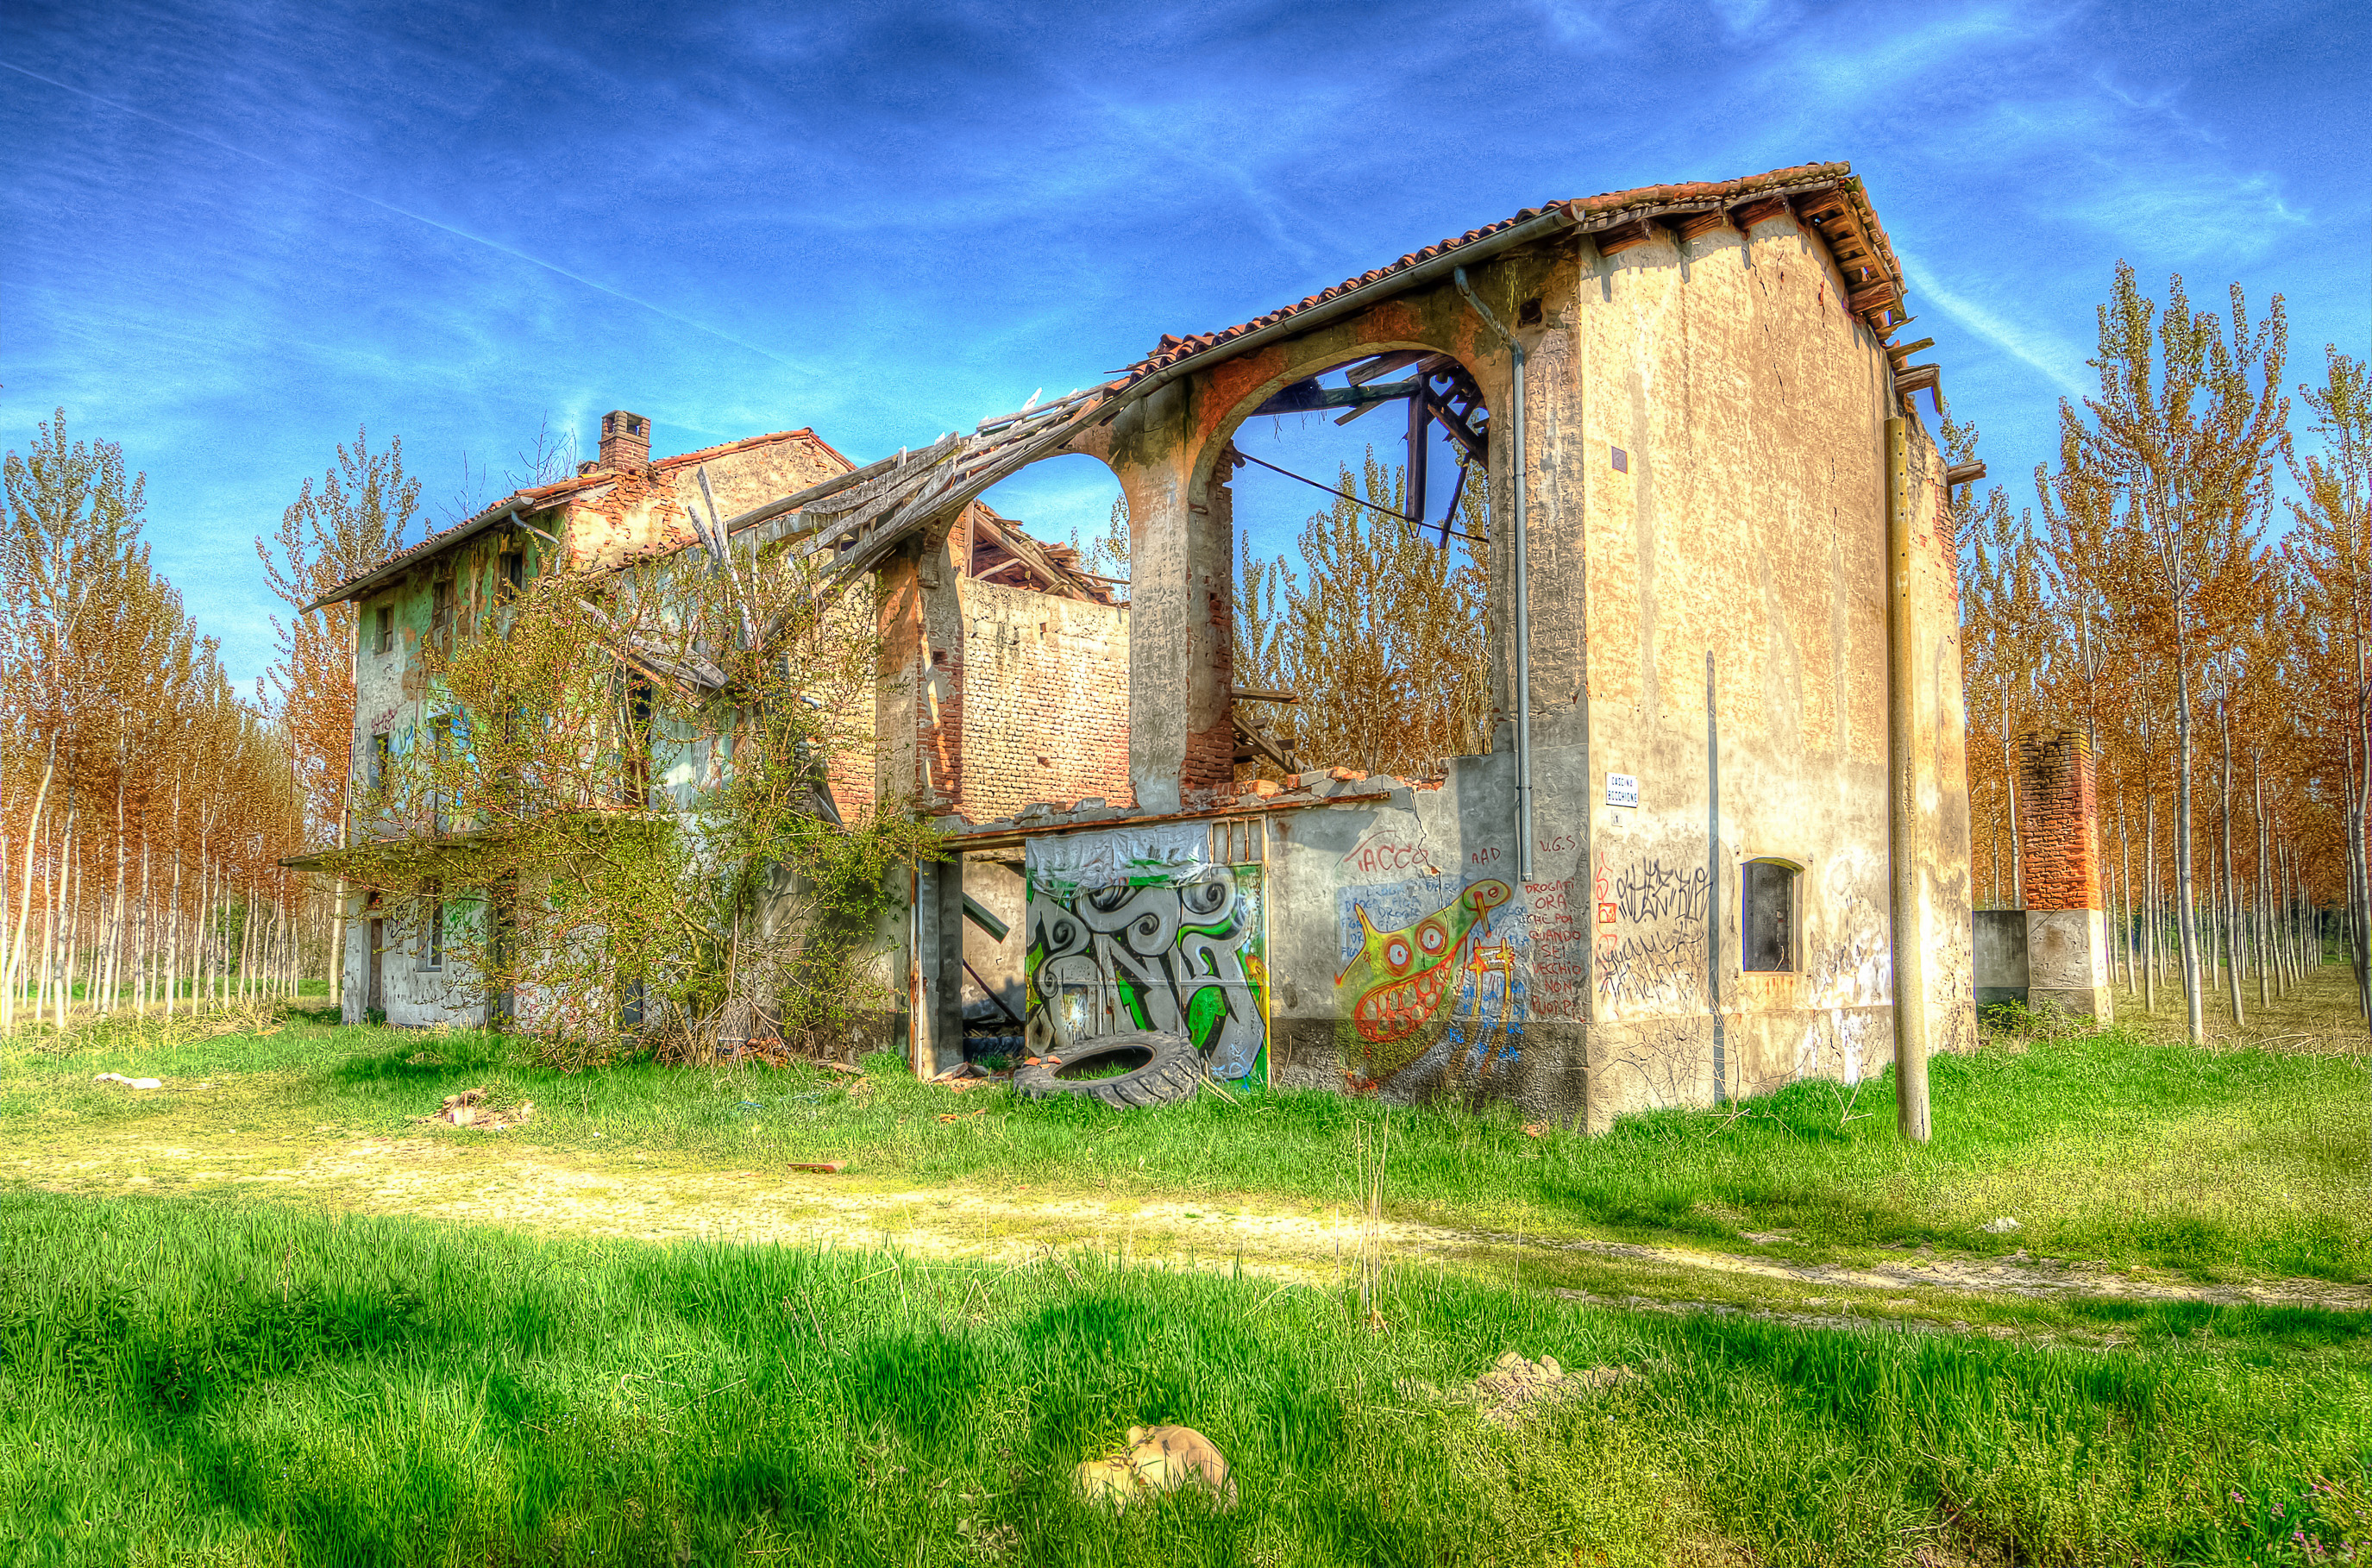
pixel 2067 930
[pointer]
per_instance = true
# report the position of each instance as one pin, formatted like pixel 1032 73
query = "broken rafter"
pixel 1877 297
pixel 1385 364
pixel 1307 397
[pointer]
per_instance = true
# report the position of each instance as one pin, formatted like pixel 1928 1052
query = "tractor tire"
pixel 1162 1069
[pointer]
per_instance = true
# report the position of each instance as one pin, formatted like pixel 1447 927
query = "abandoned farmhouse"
pixel 1717 841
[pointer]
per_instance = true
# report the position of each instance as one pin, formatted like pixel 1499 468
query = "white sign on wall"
pixel 1622 789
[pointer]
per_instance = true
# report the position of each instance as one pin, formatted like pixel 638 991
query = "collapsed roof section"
pixel 862 516
pixel 1002 546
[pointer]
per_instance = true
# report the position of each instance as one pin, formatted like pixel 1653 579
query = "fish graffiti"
pixel 1408 970
pixel 1450 956
pixel 1186 957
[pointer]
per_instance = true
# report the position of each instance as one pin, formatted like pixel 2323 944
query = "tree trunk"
pixel 16 977
pixel 2150 911
pixel 2126 933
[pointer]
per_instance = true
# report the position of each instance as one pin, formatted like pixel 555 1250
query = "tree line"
pixel 2192 591
pixel 144 803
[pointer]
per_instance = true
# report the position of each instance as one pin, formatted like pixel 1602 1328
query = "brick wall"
pixel 2058 806
pixel 1044 704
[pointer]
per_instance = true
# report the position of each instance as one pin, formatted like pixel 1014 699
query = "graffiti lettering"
pixel 1384 855
pixel 1184 958
pixel 1654 892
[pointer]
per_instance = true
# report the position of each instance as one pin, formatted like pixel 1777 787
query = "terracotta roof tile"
pixel 540 497
pixel 1605 211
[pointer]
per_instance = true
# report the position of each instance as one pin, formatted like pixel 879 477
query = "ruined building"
pixel 1719 839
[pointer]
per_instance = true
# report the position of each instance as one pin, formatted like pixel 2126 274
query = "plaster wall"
pixel 1706 453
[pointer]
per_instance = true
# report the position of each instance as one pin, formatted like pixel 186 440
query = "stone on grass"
pixel 1159 1459
pixel 129 1083
pixel 2001 1227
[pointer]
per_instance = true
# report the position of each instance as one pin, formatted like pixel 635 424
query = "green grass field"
pixel 2114 1147
pixel 186 1382
pixel 208 1372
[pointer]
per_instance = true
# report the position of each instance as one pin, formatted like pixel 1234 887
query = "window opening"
pixel 1768 914
pixel 639 743
pixel 441 739
pixel 385 641
pixel 510 575
pixel 1362 606
pixel 440 606
pixel 431 943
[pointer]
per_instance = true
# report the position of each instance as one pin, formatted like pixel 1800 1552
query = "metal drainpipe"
pixel 1523 597
pixel 1909 928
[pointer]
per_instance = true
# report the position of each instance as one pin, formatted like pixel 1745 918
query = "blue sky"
pixel 230 235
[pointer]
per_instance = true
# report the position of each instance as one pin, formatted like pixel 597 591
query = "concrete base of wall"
pixel 2067 961
pixel 2090 1001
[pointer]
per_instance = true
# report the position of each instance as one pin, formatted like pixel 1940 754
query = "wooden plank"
pixel 1754 212
pixel 980 915
pixel 1871 299
pixel 1906 350
pixel 886 536
pixel 1293 401
pixel 1964 474
pixel 1695 224
pixel 1384 363
pixel 1259 694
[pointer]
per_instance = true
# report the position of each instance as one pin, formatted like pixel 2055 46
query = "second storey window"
pixel 440 606
pixel 376 761
pixel 383 639
pixel 510 575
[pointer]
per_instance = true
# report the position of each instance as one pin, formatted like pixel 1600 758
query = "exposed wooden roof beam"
pixel 1638 232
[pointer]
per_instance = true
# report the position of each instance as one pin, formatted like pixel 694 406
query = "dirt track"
pixel 519 1185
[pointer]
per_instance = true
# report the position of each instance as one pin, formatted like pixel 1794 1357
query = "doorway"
pixel 376 1002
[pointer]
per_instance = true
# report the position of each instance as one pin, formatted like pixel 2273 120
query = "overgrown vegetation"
pixel 713 898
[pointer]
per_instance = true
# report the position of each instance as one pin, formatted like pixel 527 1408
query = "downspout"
pixel 1909 926
pixel 1523 596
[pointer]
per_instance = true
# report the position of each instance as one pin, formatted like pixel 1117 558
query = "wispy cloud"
pixel 495 245
pixel 2055 361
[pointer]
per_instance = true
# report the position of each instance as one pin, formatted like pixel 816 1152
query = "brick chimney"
pixel 625 442
pixel 2066 930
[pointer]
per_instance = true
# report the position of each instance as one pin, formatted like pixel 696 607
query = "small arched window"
pixel 1767 917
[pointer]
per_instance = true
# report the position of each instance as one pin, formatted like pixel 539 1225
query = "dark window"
pixel 386 642
pixel 382 752
pixel 440 606
pixel 1768 923
pixel 639 741
pixel 510 575
pixel 440 799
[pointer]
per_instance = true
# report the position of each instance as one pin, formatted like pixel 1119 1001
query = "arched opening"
pixel 1360 500
pixel 1070 506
